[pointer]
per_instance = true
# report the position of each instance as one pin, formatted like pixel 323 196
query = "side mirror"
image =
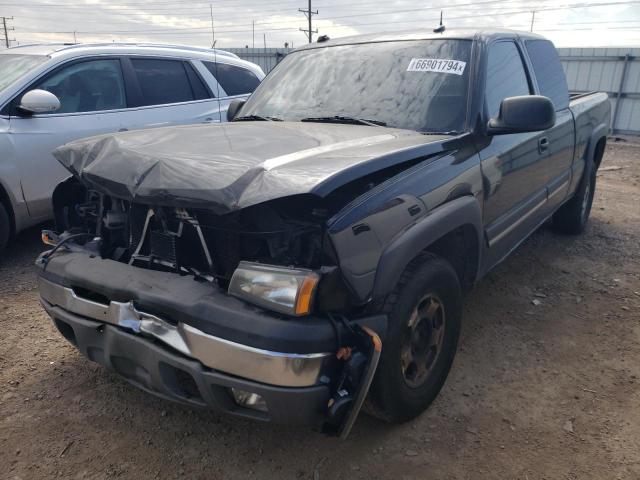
pixel 39 101
pixel 528 113
pixel 234 109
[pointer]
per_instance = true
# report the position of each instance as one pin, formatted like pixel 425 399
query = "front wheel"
pixel 424 313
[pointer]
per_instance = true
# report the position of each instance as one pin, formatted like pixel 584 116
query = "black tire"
pixel 573 216
pixel 5 227
pixel 398 392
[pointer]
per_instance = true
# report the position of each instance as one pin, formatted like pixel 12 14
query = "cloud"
pixel 237 22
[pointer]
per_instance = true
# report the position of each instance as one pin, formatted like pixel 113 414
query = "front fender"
pixel 405 247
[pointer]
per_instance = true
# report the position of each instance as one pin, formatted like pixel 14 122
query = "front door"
pixel 92 97
pixel 513 165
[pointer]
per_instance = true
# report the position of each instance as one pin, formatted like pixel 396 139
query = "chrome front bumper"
pixel 272 368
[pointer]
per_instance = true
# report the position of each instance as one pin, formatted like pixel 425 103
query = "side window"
pixel 235 80
pixel 506 76
pixel 162 81
pixel 549 73
pixel 200 91
pixel 89 86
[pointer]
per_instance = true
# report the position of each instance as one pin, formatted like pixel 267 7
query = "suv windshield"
pixel 12 67
pixel 416 85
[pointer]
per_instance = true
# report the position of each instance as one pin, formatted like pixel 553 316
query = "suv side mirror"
pixel 39 101
pixel 527 113
pixel 234 109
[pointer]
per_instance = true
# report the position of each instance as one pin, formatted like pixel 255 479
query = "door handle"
pixel 543 144
pixel 123 130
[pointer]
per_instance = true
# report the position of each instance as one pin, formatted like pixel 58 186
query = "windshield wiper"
pixel 342 119
pixel 248 118
pixel 450 132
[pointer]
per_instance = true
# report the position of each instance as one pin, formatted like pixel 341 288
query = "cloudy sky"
pixel 244 22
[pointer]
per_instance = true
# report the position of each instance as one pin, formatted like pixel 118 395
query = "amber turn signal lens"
pixel 305 295
pixel 48 238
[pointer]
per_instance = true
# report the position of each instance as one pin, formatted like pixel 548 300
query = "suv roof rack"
pixel 69 46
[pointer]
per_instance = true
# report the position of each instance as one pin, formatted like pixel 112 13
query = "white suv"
pixel 52 94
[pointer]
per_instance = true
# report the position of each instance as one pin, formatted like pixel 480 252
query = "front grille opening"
pixel 181 383
pixel 90 295
pixel 67 331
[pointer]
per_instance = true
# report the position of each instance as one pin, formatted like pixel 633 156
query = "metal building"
pixel 612 70
pixel 267 58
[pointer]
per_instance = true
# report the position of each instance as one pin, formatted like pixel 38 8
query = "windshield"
pixel 416 85
pixel 12 67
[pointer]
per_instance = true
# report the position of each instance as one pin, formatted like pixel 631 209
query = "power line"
pixel 234 28
pixel 205 32
pixel 309 14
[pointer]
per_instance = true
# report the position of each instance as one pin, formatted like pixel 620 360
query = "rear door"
pixel 552 83
pixel 513 165
pixel 167 91
pixel 92 96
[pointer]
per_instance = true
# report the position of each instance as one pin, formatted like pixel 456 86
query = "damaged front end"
pixel 251 302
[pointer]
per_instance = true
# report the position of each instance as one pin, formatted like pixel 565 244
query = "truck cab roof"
pixel 408 35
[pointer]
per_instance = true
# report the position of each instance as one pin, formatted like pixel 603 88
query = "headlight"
pixel 284 290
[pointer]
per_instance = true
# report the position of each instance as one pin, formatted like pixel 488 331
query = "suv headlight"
pixel 282 289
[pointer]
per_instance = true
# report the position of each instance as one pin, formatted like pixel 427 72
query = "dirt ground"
pixel 546 384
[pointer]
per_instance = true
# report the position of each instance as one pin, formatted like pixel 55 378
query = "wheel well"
pixel 460 248
pixel 5 201
pixel 598 152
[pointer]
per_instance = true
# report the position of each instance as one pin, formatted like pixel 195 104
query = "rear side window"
pixel 162 81
pixel 234 80
pixel 199 90
pixel 506 76
pixel 549 73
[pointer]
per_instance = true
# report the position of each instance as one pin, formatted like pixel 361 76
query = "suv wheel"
pixel 572 217
pixel 424 313
pixel 5 227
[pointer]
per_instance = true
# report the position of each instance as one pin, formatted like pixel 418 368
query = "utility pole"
pixel 309 14
pixel 213 32
pixel 75 39
pixel 533 17
pixel 6 30
pixel 253 34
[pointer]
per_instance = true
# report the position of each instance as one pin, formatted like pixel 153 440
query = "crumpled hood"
pixel 230 166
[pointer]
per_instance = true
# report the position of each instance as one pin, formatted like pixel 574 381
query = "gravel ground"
pixel 536 391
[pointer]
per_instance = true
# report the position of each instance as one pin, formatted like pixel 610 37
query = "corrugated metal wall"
pixel 612 70
pixel 267 58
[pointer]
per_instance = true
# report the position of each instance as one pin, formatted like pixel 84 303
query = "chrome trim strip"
pixel 517 223
pixel 559 189
pixel 274 368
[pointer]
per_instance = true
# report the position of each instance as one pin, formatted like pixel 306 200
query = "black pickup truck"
pixel 311 256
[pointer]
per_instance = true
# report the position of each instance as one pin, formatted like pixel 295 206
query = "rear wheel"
pixel 5 227
pixel 424 314
pixel 573 216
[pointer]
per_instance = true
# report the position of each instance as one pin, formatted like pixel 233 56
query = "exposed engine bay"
pixel 194 241
pixel 289 232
